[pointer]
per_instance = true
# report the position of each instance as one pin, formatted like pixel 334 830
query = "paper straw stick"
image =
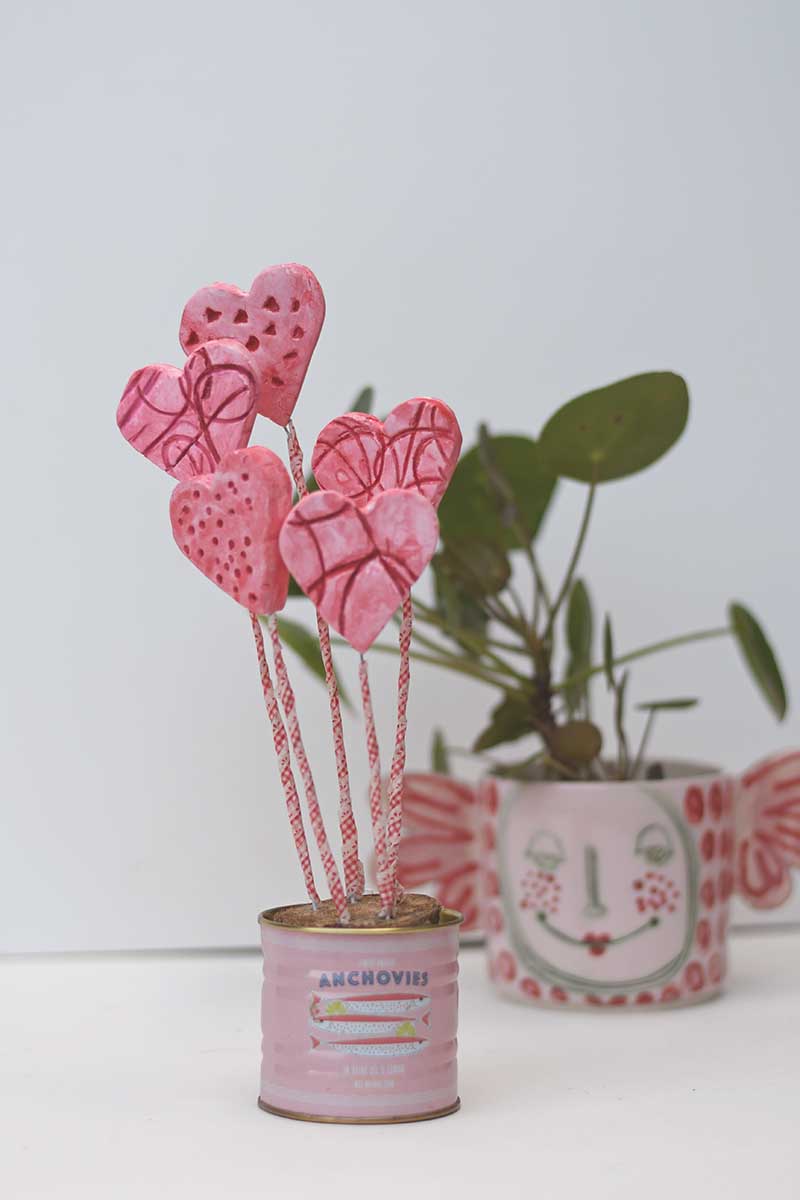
pixel 353 868
pixel 375 802
pixel 286 694
pixel 284 762
pixel 394 818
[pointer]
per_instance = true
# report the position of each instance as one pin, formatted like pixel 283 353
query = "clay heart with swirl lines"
pixel 357 564
pixel 186 420
pixel 416 448
pixel 278 321
pixel 228 525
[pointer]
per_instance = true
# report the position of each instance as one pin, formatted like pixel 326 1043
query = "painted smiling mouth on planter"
pixel 595 943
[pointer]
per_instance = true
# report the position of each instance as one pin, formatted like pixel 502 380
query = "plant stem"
pixel 643 744
pixel 654 648
pixel 499 663
pixel 573 562
pixel 427 615
pixel 451 664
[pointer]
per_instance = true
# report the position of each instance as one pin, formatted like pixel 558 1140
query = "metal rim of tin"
pixel 447 917
pixel 403 1120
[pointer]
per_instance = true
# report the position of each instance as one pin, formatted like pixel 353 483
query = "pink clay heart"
pixel 278 321
pixel 186 420
pixel 357 564
pixel 228 525
pixel 415 448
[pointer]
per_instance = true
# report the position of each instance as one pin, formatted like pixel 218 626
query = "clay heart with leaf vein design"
pixel 278 321
pixel 186 420
pixel 228 525
pixel 415 448
pixel 357 564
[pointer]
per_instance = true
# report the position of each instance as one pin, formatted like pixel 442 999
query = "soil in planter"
pixel 413 909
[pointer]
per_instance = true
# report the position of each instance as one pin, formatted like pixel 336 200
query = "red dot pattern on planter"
pixel 725 884
pixel 716 968
pixel 505 966
pixel 715 801
pixel 644 998
pixel 489 799
pixel 487 838
pixel 722 928
pixel 530 987
pixel 726 844
pixel 592 999
pixel 695 977
pixel 494 919
pixel 671 993
pixel 708 893
pixel 559 995
pixel 693 805
pixel 491 883
pixel 704 933
pixel 707 845
pixel 618 1001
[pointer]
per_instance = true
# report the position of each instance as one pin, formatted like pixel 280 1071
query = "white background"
pixel 506 204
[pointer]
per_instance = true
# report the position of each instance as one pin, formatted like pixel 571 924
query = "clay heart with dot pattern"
pixel 357 564
pixel 415 448
pixel 228 525
pixel 186 420
pixel 278 321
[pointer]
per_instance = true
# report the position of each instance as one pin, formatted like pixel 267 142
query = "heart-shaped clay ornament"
pixel 228 524
pixel 186 420
pixel 357 564
pixel 278 321
pixel 416 448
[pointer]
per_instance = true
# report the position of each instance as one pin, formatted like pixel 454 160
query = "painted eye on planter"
pixel 654 844
pixel 546 850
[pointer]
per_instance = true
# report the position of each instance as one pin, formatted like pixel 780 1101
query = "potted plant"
pixel 606 874
pixel 359 1001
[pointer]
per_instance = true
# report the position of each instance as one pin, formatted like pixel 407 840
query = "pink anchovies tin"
pixel 359 1025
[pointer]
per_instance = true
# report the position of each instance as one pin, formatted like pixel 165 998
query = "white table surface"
pixel 136 1076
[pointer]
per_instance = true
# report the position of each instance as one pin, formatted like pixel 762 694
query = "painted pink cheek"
pixel 530 987
pixel 541 892
pixel 655 892
pixel 694 805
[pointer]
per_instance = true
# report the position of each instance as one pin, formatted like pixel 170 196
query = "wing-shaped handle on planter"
pixel 439 844
pixel 768 829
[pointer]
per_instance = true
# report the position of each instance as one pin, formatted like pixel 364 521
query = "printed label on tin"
pixel 390 1018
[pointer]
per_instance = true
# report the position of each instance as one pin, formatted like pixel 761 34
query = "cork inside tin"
pixel 414 910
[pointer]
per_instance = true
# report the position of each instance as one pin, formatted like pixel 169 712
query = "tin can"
pixel 359 1025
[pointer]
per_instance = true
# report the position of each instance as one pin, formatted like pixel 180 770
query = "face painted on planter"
pixel 604 898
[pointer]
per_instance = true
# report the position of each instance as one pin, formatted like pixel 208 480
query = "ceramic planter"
pixel 439 847
pixel 617 894
pixel 359 1025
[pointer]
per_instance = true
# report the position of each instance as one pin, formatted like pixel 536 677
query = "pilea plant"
pixel 540 655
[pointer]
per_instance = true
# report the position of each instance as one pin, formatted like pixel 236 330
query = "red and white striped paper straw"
pixel 375 800
pixel 394 817
pixel 353 868
pixel 286 693
pixel 284 762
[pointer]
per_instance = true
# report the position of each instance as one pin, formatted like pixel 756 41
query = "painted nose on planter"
pixel 594 905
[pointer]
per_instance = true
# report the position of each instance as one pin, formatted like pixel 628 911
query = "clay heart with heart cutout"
pixel 186 420
pixel 357 564
pixel 415 448
pixel 228 524
pixel 278 321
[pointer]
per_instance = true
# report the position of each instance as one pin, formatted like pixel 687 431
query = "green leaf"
pixel 608 652
pixel 658 705
pixel 471 509
pixel 616 430
pixel 295 589
pixel 306 647
pixel 440 761
pixel 479 568
pixel 576 742
pixel 364 401
pixel 580 626
pixel 510 720
pixel 459 610
pixel 759 657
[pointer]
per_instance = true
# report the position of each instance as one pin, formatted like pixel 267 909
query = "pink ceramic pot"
pixel 617 894
pixel 359 1025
